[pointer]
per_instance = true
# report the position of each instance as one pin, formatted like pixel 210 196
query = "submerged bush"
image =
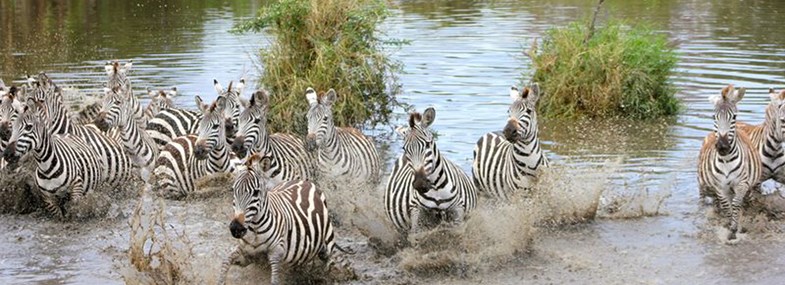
pixel 325 44
pixel 618 71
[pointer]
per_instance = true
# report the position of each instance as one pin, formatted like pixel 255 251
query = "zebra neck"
pixel 219 157
pixel 526 154
pixel 138 144
pixel 61 123
pixel 44 150
pixel 771 130
pixel 264 223
pixel 264 143
pixel 733 155
pixel 331 145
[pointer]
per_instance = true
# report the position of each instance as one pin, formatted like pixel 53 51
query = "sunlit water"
pixel 462 59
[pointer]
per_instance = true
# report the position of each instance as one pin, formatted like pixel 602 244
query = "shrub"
pixel 618 71
pixel 325 44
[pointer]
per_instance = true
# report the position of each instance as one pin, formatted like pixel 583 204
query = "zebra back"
pixel 340 152
pixel 509 161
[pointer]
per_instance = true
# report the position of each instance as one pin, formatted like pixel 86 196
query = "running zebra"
pixel 424 180
pixel 117 112
pixel 508 162
pixel 289 161
pixel 173 122
pixel 67 166
pixel 9 103
pixel 188 158
pixel 118 79
pixel 289 224
pixel 116 164
pixel 728 165
pixel 768 138
pixel 339 152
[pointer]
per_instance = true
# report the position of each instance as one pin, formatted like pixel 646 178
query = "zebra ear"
pixel 200 104
pixel 534 93
pixel 310 95
pixel 265 163
pixel 738 95
pixel 218 87
pixel 428 117
pixel 108 67
pixel 401 130
pixel 773 95
pixel 514 94
pixel 715 99
pixel 329 97
pixel 219 105
pixel 259 99
pixel 240 86
pixel 128 65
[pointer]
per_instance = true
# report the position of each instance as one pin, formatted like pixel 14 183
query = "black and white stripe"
pixel 9 103
pixel 159 100
pixel 118 79
pixel 289 224
pixel 172 123
pixel 768 138
pixel 68 166
pixel 729 165
pixel 117 112
pixel 289 161
pixel 433 183
pixel 343 153
pixel 188 158
pixel 508 162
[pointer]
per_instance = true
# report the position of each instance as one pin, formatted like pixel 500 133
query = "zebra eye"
pixel 28 127
pixel 257 120
pixel 528 111
pixel 255 192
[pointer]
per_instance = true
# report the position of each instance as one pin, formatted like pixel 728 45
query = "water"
pixel 462 59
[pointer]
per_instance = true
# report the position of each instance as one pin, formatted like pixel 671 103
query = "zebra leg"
pixel 237 257
pixel 77 189
pixel 275 258
pixel 415 219
pixel 458 215
pixel 53 204
pixel 738 199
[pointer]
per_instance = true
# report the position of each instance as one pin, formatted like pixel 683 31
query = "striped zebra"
pixel 289 224
pixel 768 137
pixel 117 112
pixel 116 164
pixel 118 79
pixel 159 100
pixel 67 166
pixel 173 123
pixel 728 165
pixel 508 161
pixel 9 103
pixel 338 152
pixel 289 161
pixel 188 158
pixel 424 180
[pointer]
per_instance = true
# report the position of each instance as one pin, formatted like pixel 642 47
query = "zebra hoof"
pixel 732 238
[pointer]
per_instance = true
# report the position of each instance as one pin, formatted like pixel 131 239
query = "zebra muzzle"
pixel 200 151
pixel 5 130
pixel 238 146
pixel 310 142
pixel 512 130
pixel 9 154
pixel 238 229
pixel 421 182
pixel 100 122
pixel 723 145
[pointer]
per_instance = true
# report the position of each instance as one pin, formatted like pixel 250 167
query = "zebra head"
pixel 725 118
pixel 159 100
pixel 41 88
pixel 249 193
pixel 9 103
pixel 522 121
pixel 232 111
pixel 419 147
pixel 113 110
pixel 27 130
pixel 251 127
pixel 118 76
pixel 211 130
pixel 320 118
pixel 777 107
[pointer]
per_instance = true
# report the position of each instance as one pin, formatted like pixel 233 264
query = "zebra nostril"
pixel 310 142
pixel 237 229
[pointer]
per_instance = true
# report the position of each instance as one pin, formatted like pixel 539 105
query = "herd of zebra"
pixel 278 208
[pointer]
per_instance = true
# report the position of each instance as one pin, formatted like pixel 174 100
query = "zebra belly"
pixel 441 199
pixel 50 185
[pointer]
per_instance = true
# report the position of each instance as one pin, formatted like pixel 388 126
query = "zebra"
pixel 172 123
pixel 118 78
pixel 768 138
pixel 289 161
pixel 424 180
pixel 188 158
pixel 508 161
pixel 159 100
pixel 9 103
pixel 289 224
pixel 116 164
pixel 728 165
pixel 338 152
pixel 117 112
pixel 67 166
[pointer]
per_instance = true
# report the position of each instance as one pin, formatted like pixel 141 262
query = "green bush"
pixel 620 71
pixel 325 44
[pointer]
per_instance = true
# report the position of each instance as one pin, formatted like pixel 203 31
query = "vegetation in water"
pixel 326 44
pixel 615 71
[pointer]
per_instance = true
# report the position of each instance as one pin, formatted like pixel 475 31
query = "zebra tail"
pixel 344 250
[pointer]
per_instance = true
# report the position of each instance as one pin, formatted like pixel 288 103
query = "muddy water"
pixel 462 58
